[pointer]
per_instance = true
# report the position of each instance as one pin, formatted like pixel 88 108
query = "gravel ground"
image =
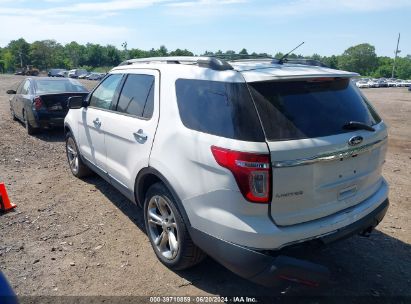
pixel 82 237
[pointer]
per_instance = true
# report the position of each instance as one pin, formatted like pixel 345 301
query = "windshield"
pixel 309 109
pixel 58 86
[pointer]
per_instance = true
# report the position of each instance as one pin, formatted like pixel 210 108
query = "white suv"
pixel 238 160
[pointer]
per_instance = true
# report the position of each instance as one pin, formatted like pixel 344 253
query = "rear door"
pixel 131 128
pixel 15 100
pixel 319 166
pixel 93 121
pixel 22 98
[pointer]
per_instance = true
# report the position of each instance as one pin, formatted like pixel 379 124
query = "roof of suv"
pixel 251 69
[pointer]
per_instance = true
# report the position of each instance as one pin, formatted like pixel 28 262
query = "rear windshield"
pixel 218 108
pixel 58 86
pixel 308 109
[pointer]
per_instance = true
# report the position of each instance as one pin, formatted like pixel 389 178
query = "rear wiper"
pixel 356 125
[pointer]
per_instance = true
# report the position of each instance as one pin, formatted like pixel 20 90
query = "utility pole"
pixel 21 59
pixel 397 51
pixel 124 45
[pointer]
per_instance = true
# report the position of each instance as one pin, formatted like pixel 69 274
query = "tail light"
pixel 251 171
pixel 37 103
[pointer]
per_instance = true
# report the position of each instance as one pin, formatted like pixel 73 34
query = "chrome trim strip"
pixel 330 156
pixel 104 171
pixel 116 180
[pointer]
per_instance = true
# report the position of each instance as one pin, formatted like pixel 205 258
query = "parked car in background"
pixel 83 76
pixel 362 84
pixel 95 76
pixel 391 83
pixel 76 73
pixel 399 83
pixel 382 83
pixel 374 83
pixel 56 72
pixel 63 73
pixel 225 159
pixel 42 102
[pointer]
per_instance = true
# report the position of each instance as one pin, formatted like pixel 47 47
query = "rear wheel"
pixel 29 128
pixel 77 167
pixel 167 231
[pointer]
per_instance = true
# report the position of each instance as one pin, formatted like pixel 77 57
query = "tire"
pixel 77 167
pixel 29 128
pixel 13 115
pixel 169 223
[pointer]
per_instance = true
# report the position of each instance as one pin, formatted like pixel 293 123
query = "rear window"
pixel 218 108
pixel 308 109
pixel 58 86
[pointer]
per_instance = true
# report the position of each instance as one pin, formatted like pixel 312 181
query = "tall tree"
pixel 360 58
pixel 20 51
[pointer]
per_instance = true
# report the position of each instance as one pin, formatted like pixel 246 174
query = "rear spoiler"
pixel 276 74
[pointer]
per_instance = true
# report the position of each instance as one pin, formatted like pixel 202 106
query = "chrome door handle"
pixel 97 122
pixel 140 135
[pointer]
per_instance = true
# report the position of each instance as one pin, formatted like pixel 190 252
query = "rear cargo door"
pixel 321 163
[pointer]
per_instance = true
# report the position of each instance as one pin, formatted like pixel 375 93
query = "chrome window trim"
pixel 342 154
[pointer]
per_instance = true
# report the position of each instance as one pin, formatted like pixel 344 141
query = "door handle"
pixel 140 135
pixel 97 122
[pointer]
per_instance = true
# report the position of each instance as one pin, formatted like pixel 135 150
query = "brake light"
pixel 37 103
pixel 251 171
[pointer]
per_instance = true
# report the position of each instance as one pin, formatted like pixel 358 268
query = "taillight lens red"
pixel 251 171
pixel 37 103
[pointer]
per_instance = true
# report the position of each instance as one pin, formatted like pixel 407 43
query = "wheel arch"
pixel 67 129
pixel 149 176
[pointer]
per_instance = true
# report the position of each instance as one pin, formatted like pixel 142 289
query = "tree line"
pixel 46 54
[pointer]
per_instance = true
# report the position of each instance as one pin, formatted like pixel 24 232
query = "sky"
pixel 327 27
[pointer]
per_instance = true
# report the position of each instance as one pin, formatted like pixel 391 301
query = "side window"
pixel 103 95
pixel 218 108
pixel 26 88
pixel 137 96
pixel 20 87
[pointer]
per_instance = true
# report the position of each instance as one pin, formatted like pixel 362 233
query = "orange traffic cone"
pixel 5 204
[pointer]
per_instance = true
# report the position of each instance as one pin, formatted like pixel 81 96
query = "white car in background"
pixel 374 83
pixel 362 84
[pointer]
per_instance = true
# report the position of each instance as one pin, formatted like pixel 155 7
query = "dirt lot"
pixel 74 237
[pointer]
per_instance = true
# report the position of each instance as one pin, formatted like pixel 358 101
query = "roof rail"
pixel 272 60
pixel 205 62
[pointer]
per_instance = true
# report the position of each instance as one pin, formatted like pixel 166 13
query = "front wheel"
pixel 12 114
pixel 167 231
pixel 77 167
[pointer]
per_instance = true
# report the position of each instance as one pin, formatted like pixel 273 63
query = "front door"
pixel 93 122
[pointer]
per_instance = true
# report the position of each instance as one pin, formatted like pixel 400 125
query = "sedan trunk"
pixel 58 102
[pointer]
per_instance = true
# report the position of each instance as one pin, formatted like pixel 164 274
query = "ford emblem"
pixel 356 140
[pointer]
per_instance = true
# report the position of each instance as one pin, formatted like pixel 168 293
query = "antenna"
pixel 281 60
pixel 397 51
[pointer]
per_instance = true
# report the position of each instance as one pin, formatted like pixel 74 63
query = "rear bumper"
pixel 46 120
pixel 268 268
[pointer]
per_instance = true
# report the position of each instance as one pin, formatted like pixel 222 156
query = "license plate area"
pixel 347 192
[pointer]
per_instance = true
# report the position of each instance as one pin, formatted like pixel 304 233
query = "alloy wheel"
pixel 163 229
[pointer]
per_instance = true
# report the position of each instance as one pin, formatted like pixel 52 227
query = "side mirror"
pixel 76 102
pixel 11 92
